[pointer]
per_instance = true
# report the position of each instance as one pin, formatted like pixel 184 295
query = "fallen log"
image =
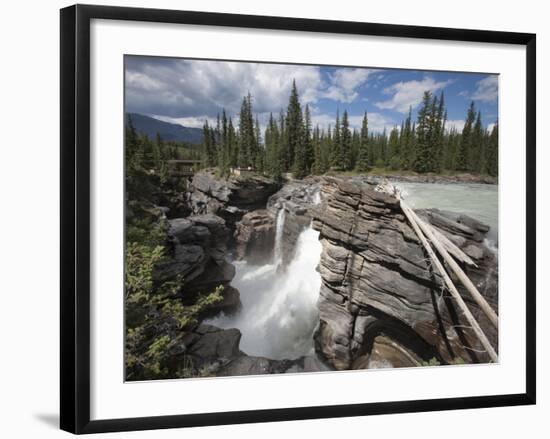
pixel 450 285
pixel 443 251
pixel 465 280
pixel 450 246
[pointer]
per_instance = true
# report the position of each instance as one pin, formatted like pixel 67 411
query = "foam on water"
pixel 279 307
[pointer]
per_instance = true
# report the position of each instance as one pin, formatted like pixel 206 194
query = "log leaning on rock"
pixel 450 246
pixel 476 295
pixel 449 284
pixel 421 229
pixel 444 246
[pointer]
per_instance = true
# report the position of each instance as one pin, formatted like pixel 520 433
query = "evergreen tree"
pixel 424 160
pixel 463 154
pixel 282 145
pixel 247 136
pixel 307 141
pixel 476 145
pixel 272 140
pixel 294 129
pixel 394 149
pixel 317 167
pixel 355 144
pixel 406 142
pixel 208 146
pixel 223 145
pixel 232 143
pixel 363 163
pixel 345 144
pixel 335 153
pixel 492 152
pixel 259 153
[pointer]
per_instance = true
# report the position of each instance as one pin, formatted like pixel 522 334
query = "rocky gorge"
pixel 370 297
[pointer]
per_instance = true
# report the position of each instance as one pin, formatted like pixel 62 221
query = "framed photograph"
pixel 268 218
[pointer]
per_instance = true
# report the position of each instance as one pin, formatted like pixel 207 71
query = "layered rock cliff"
pixel 229 198
pixel 380 302
pixel 197 253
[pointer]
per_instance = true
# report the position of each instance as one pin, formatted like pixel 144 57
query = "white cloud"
pixel 377 121
pixel 344 84
pixel 456 124
pixel 191 122
pixel 409 94
pixel 490 127
pixel 182 88
pixel 486 89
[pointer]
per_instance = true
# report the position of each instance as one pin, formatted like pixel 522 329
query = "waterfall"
pixel 317 197
pixel 279 310
pixel 279 227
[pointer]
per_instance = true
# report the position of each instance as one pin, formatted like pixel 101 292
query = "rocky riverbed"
pixel 379 304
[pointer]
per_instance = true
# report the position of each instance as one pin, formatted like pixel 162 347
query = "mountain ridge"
pixel 168 131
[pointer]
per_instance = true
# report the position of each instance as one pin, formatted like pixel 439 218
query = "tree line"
pixel 290 143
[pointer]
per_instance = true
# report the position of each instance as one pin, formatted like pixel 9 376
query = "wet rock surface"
pixel 212 351
pixel 379 296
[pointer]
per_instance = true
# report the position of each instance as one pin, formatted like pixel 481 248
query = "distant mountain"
pixel 168 131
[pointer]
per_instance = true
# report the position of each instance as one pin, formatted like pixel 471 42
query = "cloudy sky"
pixel 189 92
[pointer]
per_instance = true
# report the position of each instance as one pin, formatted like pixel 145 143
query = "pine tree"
pixel 317 166
pixel 259 153
pixel 232 143
pixel 272 140
pixel 208 146
pixel 296 155
pixel 223 146
pixel 439 131
pixel 406 142
pixel 463 154
pixel 355 144
pixel 476 146
pixel 282 145
pixel 423 157
pixel 363 163
pixel 394 149
pixel 345 144
pixel 335 153
pixel 492 152
pixel 307 141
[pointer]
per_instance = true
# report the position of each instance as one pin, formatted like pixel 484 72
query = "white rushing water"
pixel 279 307
pixel 279 227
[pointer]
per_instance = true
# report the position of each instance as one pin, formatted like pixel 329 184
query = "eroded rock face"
pixel 255 237
pixel 230 198
pixel 380 303
pixel 198 254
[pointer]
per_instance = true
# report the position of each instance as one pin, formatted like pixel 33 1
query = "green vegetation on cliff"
pixel 156 319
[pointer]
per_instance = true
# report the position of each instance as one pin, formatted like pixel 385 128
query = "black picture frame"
pixel 75 217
